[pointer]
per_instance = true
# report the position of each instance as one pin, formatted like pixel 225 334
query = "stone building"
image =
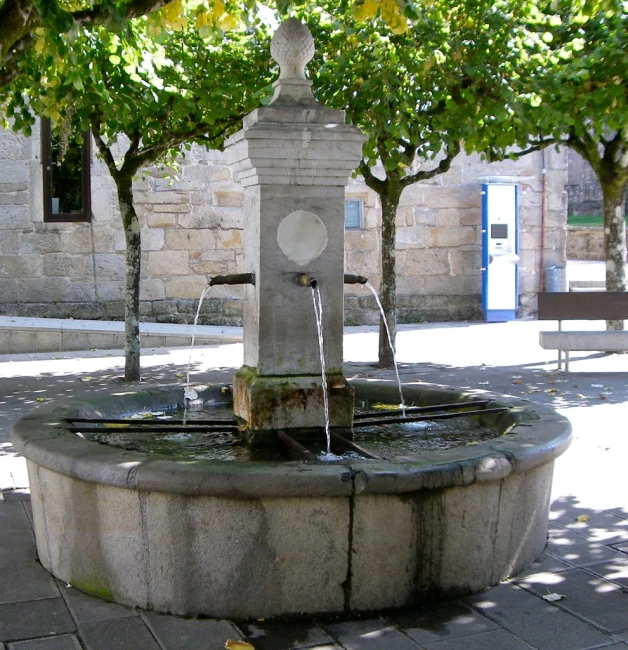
pixel 192 225
pixel 583 188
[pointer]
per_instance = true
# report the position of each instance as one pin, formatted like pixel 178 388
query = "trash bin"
pixel 556 278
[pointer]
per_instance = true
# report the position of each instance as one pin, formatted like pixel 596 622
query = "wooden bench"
pixel 583 305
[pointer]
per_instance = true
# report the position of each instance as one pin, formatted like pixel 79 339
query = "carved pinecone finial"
pixel 292 46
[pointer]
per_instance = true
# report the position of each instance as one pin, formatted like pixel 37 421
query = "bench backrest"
pixel 583 305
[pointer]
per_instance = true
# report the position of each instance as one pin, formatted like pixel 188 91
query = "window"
pixel 353 213
pixel 66 175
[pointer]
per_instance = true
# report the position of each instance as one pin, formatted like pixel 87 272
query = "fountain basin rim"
pixel 539 436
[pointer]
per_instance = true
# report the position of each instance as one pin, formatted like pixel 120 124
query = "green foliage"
pixel 163 93
pixel 443 83
pixel 572 87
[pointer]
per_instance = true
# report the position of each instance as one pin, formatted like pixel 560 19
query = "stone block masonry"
pixel 192 230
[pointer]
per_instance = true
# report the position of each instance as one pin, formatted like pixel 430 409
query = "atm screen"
pixel 499 231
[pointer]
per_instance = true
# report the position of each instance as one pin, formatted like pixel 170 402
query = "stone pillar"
pixel 293 158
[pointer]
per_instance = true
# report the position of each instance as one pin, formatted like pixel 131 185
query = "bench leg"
pixel 560 359
pixel 566 360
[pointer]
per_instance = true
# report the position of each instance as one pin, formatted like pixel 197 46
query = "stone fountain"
pixel 270 539
pixel 293 158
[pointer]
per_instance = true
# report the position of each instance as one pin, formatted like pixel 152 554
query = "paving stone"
pixel 63 642
pixel 601 526
pixel 621 547
pixel 121 634
pixel 19 494
pixel 371 634
pixel 615 571
pixel 17 546
pixel 618 512
pixel 446 621
pixel 534 621
pixel 623 636
pixel 26 581
pixel 495 640
pixel 286 636
pixel 578 550
pixel 190 634
pixel 545 563
pixel 33 619
pixel 87 609
pixel 13 517
pixel 587 596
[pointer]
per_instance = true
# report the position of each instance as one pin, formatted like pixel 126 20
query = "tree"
pixel 574 93
pixel 158 95
pixel 421 91
pixel 22 21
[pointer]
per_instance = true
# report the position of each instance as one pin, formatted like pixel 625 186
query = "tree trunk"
pixel 614 241
pixel 132 279
pixel 388 287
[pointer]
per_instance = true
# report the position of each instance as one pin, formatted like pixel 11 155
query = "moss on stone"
pixel 98 587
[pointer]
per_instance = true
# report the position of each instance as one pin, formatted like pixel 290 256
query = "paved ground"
pixel 586 561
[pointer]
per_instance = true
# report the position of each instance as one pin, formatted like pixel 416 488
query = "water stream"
pixel 390 342
pixel 318 312
pixel 190 393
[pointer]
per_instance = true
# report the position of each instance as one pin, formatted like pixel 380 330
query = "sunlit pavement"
pixel 586 562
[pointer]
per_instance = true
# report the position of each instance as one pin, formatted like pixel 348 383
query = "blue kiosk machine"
pixel 500 247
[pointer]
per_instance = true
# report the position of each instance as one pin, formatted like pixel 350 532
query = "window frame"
pixel 85 216
pixel 360 213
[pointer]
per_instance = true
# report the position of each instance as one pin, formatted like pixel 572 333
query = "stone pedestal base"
pixel 268 403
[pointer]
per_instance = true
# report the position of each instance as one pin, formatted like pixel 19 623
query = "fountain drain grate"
pixel 342 445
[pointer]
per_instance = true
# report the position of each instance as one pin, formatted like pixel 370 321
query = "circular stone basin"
pixel 270 539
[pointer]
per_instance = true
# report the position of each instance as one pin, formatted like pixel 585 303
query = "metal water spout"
pixel 234 278
pixel 305 280
pixel 351 278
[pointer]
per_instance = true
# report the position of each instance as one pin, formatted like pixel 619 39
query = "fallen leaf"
pixel 553 597
pixel 40 399
pixel 516 381
pixel 238 645
pixel 116 425
pixel 582 518
pixel 179 375
pixel 551 390
pixel 579 395
pixel 602 396
pixel 534 390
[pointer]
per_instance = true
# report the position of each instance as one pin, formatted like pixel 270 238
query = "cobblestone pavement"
pixel 585 561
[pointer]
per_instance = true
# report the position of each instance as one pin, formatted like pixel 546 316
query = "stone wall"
pixel 439 239
pixel 583 189
pixel 191 230
pixel 585 243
